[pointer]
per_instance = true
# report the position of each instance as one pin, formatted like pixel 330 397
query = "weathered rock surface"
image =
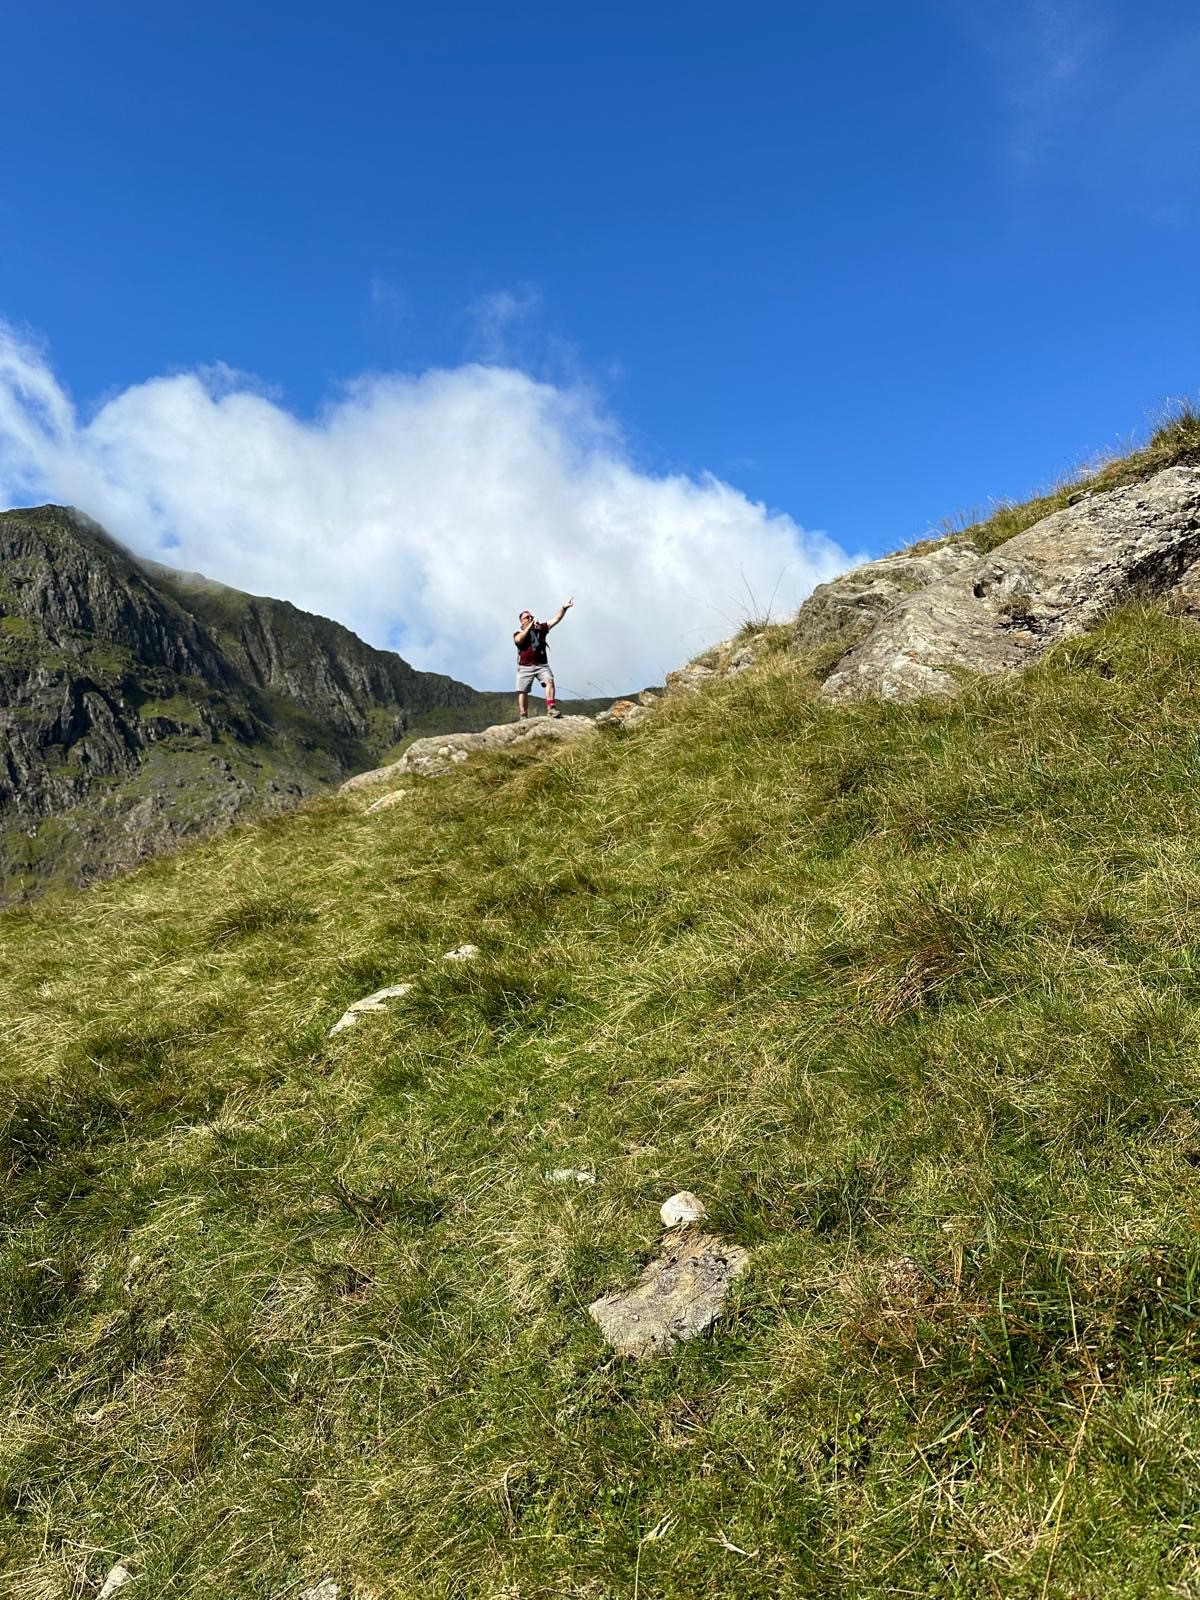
pixel 687 679
pixel 623 714
pixel 1003 610
pixel 745 654
pixel 723 660
pixel 570 1175
pixel 325 1590
pixel 371 1002
pixel 431 758
pixel 369 780
pixel 847 606
pixel 677 1296
pixel 386 802
pixel 1185 595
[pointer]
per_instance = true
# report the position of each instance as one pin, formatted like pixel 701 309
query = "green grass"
pixel 173 707
pixel 910 995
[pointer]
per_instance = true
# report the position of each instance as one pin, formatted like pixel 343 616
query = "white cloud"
pixel 423 512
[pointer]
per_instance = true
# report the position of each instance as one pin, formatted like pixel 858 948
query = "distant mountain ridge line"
pixel 140 706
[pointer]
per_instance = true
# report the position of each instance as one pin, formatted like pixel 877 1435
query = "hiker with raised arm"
pixel 532 662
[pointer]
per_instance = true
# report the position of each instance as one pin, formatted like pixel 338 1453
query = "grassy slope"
pixel 880 983
pixel 1175 442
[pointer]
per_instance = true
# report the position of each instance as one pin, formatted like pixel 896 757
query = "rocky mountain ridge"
pixel 140 706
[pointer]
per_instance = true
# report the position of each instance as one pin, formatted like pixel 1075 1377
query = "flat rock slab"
pixel 441 753
pixel 1003 610
pixel 677 1296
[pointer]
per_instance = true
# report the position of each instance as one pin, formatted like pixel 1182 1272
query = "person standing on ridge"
pixel 532 662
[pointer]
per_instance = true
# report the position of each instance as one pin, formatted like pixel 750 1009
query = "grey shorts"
pixel 529 675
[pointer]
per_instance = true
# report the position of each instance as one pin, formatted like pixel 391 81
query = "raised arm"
pixel 562 611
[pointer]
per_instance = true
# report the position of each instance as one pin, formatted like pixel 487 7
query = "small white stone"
pixel 117 1579
pixel 459 755
pixel 681 1209
pixel 325 1590
pixel 570 1175
pixel 372 1002
pixel 462 952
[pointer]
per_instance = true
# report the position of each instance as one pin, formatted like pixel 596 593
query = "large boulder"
pixel 846 607
pixel 1003 610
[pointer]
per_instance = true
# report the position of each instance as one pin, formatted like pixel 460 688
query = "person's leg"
pixel 522 703
pixel 524 680
pixel 548 681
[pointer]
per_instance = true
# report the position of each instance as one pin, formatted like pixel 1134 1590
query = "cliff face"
pixel 313 662
pixel 139 706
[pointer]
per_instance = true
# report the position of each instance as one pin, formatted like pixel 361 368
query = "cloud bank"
pixel 422 511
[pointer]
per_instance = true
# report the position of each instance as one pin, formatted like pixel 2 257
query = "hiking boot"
pixel 553 711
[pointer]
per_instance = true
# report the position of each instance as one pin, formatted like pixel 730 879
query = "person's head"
pixel 526 616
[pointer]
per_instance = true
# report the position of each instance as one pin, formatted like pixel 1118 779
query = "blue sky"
pixel 864 263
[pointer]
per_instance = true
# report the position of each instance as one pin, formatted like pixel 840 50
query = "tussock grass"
pixel 1173 442
pixel 909 994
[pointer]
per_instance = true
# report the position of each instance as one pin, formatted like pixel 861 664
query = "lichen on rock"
pixel 1003 610
pixel 677 1296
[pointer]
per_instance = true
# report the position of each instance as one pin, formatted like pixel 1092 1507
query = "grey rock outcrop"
pixel 846 607
pixel 723 660
pixel 433 757
pixel 1003 610
pixel 693 676
pixel 624 714
pixel 678 1295
pixel 376 775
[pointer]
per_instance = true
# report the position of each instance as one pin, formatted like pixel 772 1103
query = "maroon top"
pixel 533 652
